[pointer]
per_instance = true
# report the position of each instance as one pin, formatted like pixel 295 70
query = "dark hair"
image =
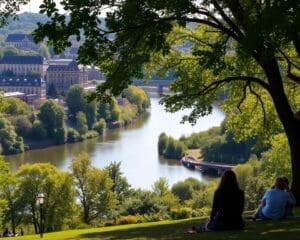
pixel 229 181
pixel 286 180
pixel 280 183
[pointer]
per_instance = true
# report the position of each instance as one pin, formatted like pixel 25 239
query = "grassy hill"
pixel 174 230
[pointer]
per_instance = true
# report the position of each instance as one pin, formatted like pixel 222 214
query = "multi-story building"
pixel 22 41
pixel 63 73
pixel 32 87
pixel 95 74
pixel 23 65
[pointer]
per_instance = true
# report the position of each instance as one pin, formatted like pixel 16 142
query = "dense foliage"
pixel 49 121
pixel 216 145
pixel 170 148
pixel 248 50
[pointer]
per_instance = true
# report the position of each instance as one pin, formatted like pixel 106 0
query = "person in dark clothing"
pixel 228 205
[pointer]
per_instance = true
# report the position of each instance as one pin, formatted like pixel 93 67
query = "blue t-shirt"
pixel 274 202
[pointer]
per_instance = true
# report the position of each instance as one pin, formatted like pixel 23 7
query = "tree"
pixel 100 126
pixel 91 113
pixel 38 132
pixel 161 187
pixel 58 189
pixel 93 187
pixel 248 50
pixel 162 143
pixel 52 91
pixel 10 142
pixel 75 99
pixel 137 96
pixel 8 198
pixel 52 116
pixel 81 123
pixel 15 106
pixel 120 186
pixel 23 126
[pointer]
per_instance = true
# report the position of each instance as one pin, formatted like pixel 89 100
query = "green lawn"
pixel 174 230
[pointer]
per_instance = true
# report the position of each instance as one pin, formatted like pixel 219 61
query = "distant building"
pixel 22 41
pixel 32 87
pixel 95 74
pixel 23 65
pixel 63 73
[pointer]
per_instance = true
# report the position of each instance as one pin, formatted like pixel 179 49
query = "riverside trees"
pixel 247 49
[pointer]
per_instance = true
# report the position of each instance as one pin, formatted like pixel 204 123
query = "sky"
pixel 33 6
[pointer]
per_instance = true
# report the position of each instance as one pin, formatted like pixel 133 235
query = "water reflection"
pixel 135 146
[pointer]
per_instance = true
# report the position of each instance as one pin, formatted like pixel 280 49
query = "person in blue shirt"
pixel 274 202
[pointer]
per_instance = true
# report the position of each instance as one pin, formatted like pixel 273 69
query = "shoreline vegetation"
pixel 213 145
pixel 48 123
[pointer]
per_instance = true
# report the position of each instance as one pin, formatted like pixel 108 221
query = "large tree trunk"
pixel 288 119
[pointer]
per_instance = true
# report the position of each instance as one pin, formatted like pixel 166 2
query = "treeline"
pixel 90 196
pixel 49 120
pixel 25 23
pixel 216 145
pixel 169 147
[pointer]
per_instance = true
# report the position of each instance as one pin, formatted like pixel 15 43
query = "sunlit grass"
pixel 175 230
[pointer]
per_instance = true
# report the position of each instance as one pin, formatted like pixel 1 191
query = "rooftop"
pixel 69 66
pixel 20 81
pixel 19 37
pixel 8 59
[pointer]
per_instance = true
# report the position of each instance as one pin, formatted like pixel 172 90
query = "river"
pixel 135 147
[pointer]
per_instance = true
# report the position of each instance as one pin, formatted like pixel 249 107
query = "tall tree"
pixel 94 189
pixel 247 49
pixel 59 194
pixel 120 186
pixel 52 117
pixel 75 99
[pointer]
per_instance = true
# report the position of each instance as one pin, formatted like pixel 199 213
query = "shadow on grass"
pixel 261 230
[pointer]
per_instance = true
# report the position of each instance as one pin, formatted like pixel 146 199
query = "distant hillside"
pixel 25 23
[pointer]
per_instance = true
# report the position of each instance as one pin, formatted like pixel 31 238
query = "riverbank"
pixel 135 146
pixel 30 144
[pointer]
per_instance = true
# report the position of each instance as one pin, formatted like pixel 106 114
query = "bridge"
pixel 160 84
pixel 206 167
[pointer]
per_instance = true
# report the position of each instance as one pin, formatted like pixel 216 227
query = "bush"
pixel 90 134
pixel 73 136
pixel 152 217
pixel 38 132
pixel 162 143
pixel 100 126
pixel 130 219
pixel 181 213
pixel 83 226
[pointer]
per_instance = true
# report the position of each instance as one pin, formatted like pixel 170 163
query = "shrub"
pixel 73 136
pixel 38 132
pixel 130 219
pixel 181 213
pixel 100 126
pixel 91 134
pixel 83 226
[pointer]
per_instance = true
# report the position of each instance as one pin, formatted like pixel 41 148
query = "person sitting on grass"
pixel 289 207
pixel 228 206
pixel 274 202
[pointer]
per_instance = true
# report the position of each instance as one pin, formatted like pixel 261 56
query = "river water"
pixel 135 147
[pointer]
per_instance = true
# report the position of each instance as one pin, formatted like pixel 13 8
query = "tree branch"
pixel 244 96
pixel 290 75
pixel 227 19
pixel 261 102
pixel 216 84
